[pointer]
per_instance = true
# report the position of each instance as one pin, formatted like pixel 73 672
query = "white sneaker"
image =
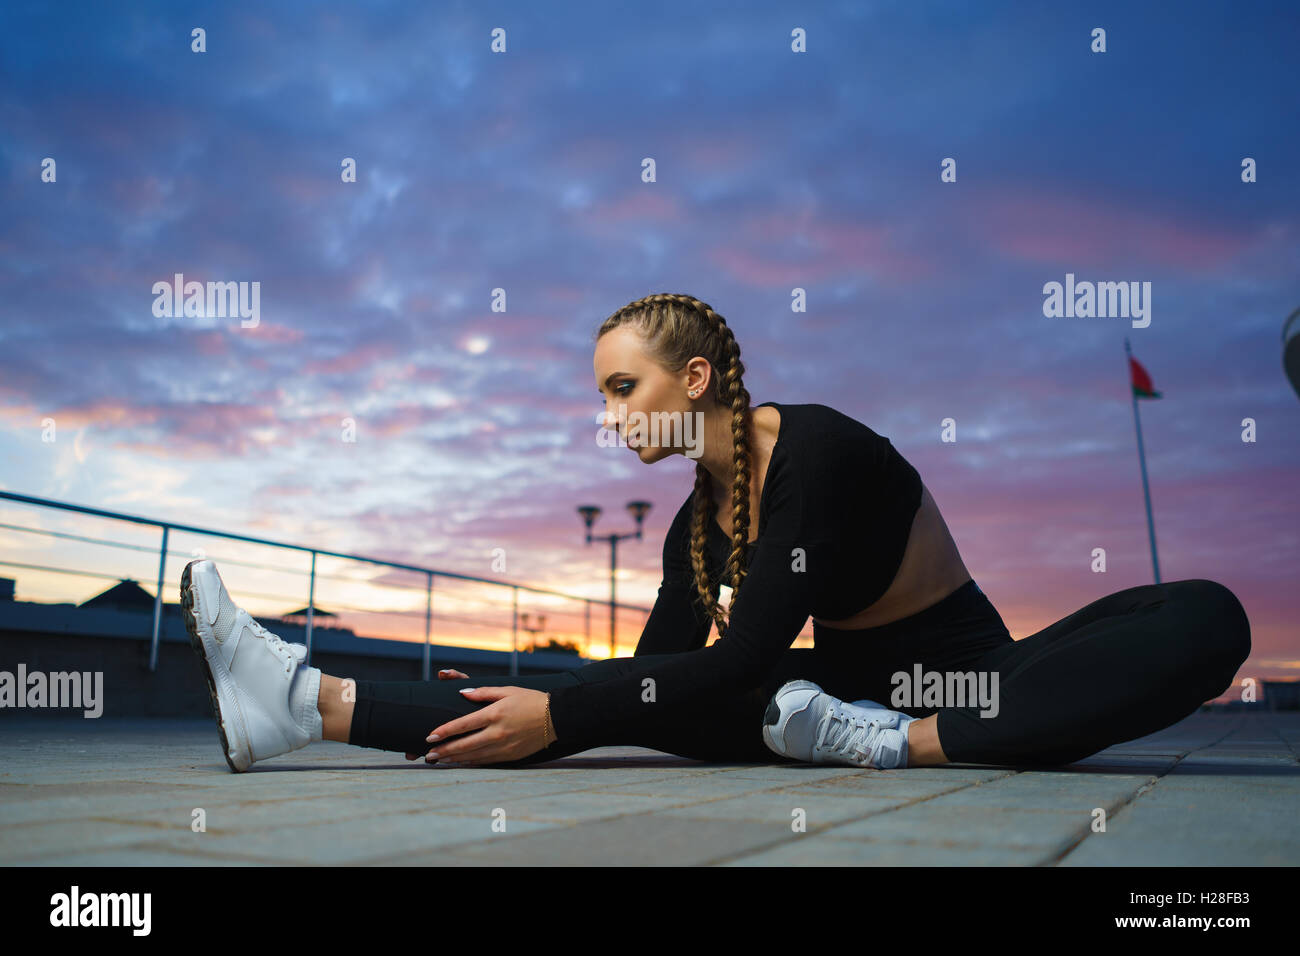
pixel 805 723
pixel 264 700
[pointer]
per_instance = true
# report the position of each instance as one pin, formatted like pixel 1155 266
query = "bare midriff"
pixel 931 570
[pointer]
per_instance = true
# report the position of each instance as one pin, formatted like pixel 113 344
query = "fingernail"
pixel 431 738
pixel 468 690
pixel 434 753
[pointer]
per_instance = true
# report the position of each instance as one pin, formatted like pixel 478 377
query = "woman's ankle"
pixel 336 702
pixel 923 749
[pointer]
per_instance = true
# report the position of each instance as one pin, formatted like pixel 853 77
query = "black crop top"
pixel 836 510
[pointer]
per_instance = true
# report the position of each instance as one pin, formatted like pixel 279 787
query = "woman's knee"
pixel 1219 621
pixel 607 669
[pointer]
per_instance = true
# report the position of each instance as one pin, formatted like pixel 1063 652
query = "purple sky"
pixel 776 170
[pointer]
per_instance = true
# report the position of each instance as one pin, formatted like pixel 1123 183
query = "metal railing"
pixel 429 573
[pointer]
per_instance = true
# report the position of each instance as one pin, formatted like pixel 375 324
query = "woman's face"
pixel 640 397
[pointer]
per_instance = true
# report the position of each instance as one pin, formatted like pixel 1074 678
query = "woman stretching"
pixel 845 532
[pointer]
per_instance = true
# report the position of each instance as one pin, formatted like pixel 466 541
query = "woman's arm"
pixel 677 621
pixel 774 602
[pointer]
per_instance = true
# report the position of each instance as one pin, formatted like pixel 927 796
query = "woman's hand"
pixel 512 726
pixel 445 674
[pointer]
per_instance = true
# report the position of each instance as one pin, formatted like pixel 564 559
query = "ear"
pixel 698 375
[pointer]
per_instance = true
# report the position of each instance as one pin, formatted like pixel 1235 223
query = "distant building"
pixel 1281 694
pixel 321 619
pixel 126 595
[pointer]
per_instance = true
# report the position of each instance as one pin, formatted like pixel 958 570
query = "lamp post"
pixel 533 630
pixel 589 514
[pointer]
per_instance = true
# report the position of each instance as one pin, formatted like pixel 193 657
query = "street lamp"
pixel 533 630
pixel 590 513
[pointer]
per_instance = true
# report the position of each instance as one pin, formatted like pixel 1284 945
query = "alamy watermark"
pixel 212 300
pixel 75 908
pixel 57 689
pixel 661 429
pixel 1124 300
pixel 945 689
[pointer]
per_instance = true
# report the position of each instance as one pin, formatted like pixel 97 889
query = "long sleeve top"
pixel 835 511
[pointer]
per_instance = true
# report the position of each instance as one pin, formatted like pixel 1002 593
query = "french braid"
pixel 675 329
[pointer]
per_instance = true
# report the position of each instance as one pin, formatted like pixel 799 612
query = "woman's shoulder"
pixel 823 440
pixel 843 469
pixel 814 419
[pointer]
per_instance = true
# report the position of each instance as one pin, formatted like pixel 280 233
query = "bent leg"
pixel 1124 666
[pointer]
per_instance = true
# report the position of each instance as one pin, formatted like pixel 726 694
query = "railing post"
pixel 586 651
pixel 157 602
pixel 514 635
pixel 428 621
pixel 613 570
pixel 311 600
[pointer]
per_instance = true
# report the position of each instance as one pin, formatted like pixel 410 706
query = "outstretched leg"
pixel 267 701
pixel 1124 666
pixel 398 715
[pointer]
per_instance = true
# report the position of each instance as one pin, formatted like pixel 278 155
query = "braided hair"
pixel 675 329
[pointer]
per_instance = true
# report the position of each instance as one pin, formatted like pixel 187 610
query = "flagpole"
pixel 1142 462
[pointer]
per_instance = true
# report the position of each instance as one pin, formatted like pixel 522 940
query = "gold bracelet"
pixel 548 730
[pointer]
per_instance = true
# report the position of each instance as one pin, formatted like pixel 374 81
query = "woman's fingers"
pixel 476 720
pixel 470 759
pixel 473 748
pixel 451 674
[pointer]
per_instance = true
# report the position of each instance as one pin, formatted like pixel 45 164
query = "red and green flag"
pixel 1141 380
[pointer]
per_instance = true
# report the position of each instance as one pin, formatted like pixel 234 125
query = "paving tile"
pixel 788 774
pixel 1125 763
pixel 894 786
pixel 646 840
pixel 826 850
pixel 34 842
pixel 567 807
pixel 678 790
pixel 1280 760
pixel 994 827
pixel 778 807
pixel 140 856
pixel 1210 824
pixel 1039 790
pixel 342 842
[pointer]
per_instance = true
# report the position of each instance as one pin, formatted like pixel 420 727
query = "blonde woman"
pixel 802 511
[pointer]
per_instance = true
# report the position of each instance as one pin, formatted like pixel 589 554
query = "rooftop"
pixel 1218 788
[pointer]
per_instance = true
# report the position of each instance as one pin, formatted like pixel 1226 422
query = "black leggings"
pixel 1124 666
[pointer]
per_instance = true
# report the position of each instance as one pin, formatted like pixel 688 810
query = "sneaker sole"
pixel 196 641
pixel 772 715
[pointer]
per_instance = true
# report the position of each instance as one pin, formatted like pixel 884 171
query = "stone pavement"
pixel 1217 788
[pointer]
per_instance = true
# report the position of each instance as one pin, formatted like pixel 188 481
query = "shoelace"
pixel 275 643
pixel 850 737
